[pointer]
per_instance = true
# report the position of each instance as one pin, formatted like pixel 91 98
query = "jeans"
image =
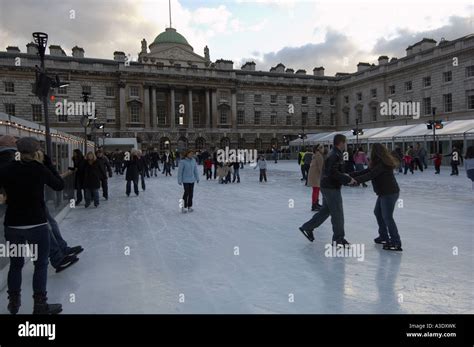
pixel 58 247
pixel 359 167
pixel 417 163
pixel 454 169
pixel 38 237
pixel 105 187
pixel 236 175
pixel 142 179
pixel 188 194
pixel 263 175
pixel 383 211
pixel 91 194
pixel 408 167
pixel 332 206
pixel 78 196
pixel 135 186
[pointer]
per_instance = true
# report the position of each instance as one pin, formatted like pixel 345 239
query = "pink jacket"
pixel 360 158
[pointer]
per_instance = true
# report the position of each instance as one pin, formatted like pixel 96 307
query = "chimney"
pixel 77 52
pixel 223 64
pixel 13 49
pixel 248 66
pixel 56 51
pixel 318 71
pixel 362 66
pixel 421 46
pixel 301 72
pixel 280 68
pixel 119 56
pixel 31 48
pixel 290 70
pixel 383 59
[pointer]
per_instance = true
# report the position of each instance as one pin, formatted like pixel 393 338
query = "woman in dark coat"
pixel 92 174
pixel 78 160
pixel 133 168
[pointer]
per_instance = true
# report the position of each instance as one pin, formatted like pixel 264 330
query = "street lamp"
pixel 357 132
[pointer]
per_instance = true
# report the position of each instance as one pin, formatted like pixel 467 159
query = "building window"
pixel 373 93
pixel 10 109
pixel 346 99
pixel 257 98
pixel 374 113
pixel 346 117
pixel 134 113
pixel 177 67
pixel 134 91
pixel 161 114
pixel 240 98
pixel 9 87
pixel 110 115
pixel 87 90
pixel 333 118
pixel 196 118
pixel 448 102
pixel 470 102
pixel 62 91
pixel 426 106
pixel 110 91
pixel 304 118
pixel 240 117
pixel 427 81
pixel 288 120
pixel 224 96
pixel 359 115
pixel 319 100
pixel 223 117
pixel 289 99
pixel 359 96
pixel 391 89
pixel 62 118
pixel 447 76
pixel 332 101
pixel 256 118
pixel 304 100
pixel 408 86
pixel 470 71
pixel 273 118
pixel 318 118
pixel 273 99
pixel 36 113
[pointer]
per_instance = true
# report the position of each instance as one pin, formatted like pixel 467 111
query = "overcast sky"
pixel 302 34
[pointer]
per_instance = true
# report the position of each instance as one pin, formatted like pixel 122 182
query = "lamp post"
pixel 435 145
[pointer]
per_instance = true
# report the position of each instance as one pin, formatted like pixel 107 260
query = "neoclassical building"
pixel 175 95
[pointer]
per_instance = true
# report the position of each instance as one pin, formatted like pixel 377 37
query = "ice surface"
pixel 193 254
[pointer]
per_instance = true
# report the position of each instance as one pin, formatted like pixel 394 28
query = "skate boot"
pixel 183 210
pixel 14 303
pixel 41 305
pixel 308 234
pixel 393 247
pixel 380 241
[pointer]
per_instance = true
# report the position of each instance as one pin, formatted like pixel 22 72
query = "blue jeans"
pixel 332 206
pixel 236 175
pixel 359 167
pixel 91 194
pixel 383 211
pixel 58 247
pixel 39 237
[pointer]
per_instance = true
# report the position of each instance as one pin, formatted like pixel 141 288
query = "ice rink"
pixel 240 251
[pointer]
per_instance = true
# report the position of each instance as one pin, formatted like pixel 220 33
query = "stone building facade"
pixel 175 97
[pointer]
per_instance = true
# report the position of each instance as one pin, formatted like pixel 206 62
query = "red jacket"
pixel 437 159
pixel 208 164
pixel 407 159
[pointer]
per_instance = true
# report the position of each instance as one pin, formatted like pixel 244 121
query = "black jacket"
pixel 24 183
pixel 105 166
pixel 382 177
pixel 93 173
pixel 133 168
pixel 332 176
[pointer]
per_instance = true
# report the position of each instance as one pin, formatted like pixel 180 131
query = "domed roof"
pixel 170 36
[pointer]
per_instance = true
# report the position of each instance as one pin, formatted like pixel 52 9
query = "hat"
pixel 7 141
pixel 27 145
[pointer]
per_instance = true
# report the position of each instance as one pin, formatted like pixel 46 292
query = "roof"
pixel 170 35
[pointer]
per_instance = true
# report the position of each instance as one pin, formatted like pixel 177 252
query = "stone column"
pixel 190 108
pixel 154 113
pixel 207 123
pixel 123 106
pixel 214 108
pixel 146 99
pixel 172 109
pixel 233 109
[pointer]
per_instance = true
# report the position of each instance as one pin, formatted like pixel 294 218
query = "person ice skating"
pixel 408 162
pixel 399 155
pixel 437 159
pixel 230 171
pixel 301 163
pixel 423 154
pixel 154 162
pixel 262 165
pixel 307 157
pixel 188 175
pixel 331 181
pixel 107 168
pixel 455 159
pixel 314 175
pixel 380 172
pixel 143 171
pixel 132 172
pixel 417 157
pixel 275 154
pixel 349 165
pixel 167 161
pixel 469 164
pixel 360 159
pixel 92 174
pixel 236 171
pixel 78 161
pixel 26 221
pixel 208 168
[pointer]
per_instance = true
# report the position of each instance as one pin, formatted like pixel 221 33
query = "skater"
pixel 154 162
pixel 229 171
pixel 360 159
pixel 143 171
pixel 208 168
pixel 314 176
pixel 167 161
pixel 26 221
pixel 455 159
pixel 380 172
pixel 423 154
pixel 236 171
pixel 275 154
pixel 349 165
pixel 437 158
pixel 105 165
pixel 262 165
pixel 331 181
pixel 408 161
pixel 417 158
pixel 469 164
pixel 78 161
pixel 399 155
pixel 307 157
pixel 132 172
pixel 188 174
pixel 301 163
pixel 92 174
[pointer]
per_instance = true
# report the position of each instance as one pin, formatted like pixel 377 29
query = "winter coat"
pixel 133 169
pixel 382 177
pixel 105 166
pixel 300 158
pixel 208 163
pixel 262 164
pixel 188 171
pixel 92 174
pixel 308 156
pixel 78 172
pixel 360 158
pixel 315 170
pixel 332 175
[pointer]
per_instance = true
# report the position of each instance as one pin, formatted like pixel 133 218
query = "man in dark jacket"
pixel 106 168
pixel 331 181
